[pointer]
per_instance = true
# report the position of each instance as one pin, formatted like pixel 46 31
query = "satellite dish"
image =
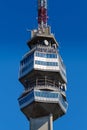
pixel 46 42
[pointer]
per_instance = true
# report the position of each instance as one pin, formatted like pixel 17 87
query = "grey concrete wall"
pixel 42 123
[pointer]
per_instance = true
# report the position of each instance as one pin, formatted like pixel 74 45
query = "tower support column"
pixel 42 123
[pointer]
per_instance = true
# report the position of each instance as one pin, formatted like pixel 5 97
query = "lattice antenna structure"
pixel 42 13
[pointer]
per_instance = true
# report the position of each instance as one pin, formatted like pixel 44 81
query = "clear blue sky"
pixel 69 24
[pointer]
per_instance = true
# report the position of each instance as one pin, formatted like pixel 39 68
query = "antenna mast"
pixel 42 13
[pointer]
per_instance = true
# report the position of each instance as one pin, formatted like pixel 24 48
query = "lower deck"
pixel 39 103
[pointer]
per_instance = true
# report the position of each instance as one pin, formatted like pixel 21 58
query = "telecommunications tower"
pixel 43 75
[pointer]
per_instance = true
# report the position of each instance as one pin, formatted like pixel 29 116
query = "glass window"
pixel 38 54
pixel 26 98
pixel 46 63
pixel 45 94
pixel 26 60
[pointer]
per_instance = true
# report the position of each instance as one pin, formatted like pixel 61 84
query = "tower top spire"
pixel 42 13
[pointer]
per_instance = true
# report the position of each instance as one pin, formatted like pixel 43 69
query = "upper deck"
pixel 42 58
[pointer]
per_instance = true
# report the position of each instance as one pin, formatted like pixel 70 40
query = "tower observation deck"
pixel 43 75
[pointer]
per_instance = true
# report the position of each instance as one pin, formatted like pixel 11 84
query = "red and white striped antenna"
pixel 42 13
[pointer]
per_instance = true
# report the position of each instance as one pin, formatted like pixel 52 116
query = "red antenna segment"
pixel 42 13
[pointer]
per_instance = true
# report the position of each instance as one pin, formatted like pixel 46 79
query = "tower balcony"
pixel 47 83
pixel 38 103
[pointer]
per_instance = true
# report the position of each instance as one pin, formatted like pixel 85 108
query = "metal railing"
pixel 43 82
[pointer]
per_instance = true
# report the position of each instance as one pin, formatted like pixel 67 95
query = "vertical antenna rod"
pixel 42 13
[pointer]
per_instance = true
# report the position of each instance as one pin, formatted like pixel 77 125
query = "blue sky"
pixel 69 25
